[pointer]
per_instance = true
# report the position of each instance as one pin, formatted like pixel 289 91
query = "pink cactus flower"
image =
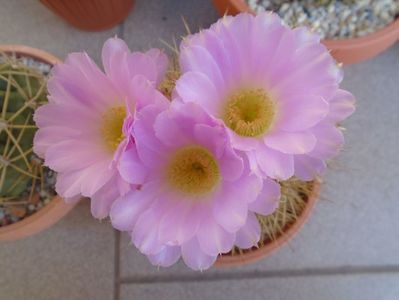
pixel 198 197
pixel 84 127
pixel 276 89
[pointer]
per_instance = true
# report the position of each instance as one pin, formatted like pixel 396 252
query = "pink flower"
pixel 276 89
pixel 84 127
pixel 197 197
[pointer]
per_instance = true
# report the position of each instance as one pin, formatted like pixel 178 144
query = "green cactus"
pixel 22 89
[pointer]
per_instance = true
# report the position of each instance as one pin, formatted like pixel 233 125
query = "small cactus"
pixel 22 90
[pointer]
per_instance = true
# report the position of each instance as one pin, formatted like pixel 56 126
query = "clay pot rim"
pixel 57 208
pixel 292 231
pixel 37 222
pixel 363 41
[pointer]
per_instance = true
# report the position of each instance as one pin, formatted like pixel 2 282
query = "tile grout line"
pixel 117 238
pixel 338 271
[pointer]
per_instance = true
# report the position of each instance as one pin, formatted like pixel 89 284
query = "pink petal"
pixel 142 64
pixel 168 256
pixel 230 206
pixel 243 143
pixel 198 88
pixel 144 93
pixel 329 141
pixel 145 233
pixel 86 181
pixel 95 176
pixel 231 165
pixel 102 200
pixel 68 184
pixel 268 199
pixel 113 47
pixel 180 223
pixel 217 49
pixel 127 209
pixel 84 119
pixel 161 62
pixel 131 168
pixel 307 167
pixel 212 138
pixel 213 239
pixel 194 257
pixel 82 78
pixel 169 132
pixel 149 148
pixel 275 164
pixel 197 58
pixel 49 136
pixel 249 235
pixel 291 142
pixel 74 154
pixel 342 105
pixel 301 112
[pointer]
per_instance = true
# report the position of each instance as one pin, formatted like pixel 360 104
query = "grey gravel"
pixel 333 18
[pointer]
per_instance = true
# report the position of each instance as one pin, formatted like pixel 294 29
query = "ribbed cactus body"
pixel 22 89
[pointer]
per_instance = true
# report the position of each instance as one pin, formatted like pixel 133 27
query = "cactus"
pixel 22 90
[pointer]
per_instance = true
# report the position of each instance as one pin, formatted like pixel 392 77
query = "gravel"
pixel 333 19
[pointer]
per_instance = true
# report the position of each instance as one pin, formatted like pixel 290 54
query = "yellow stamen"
pixel 112 123
pixel 249 113
pixel 193 170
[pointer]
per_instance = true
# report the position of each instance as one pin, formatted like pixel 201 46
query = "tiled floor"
pixel 348 250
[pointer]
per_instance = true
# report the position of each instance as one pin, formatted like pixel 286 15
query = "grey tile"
pixel 154 20
pixel 31 23
pixel 72 260
pixel 365 287
pixel 356 222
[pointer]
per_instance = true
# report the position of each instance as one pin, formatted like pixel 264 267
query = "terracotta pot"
pixel 91 15
pixel 57 208
pixel 256 254
pixel 347 51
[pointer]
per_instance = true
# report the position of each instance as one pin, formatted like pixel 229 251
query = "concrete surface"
pixel 348 250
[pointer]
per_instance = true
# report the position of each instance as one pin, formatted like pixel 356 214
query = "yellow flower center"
pixel 249 113
pixel 112 123
pixel 193 170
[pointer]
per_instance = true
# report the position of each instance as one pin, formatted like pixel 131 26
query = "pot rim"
pixel 259 253
pixel 57 208
pixel 390 29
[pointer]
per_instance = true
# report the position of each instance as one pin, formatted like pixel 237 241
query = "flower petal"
pixel 131 168
pixel 342 105
pixel 249 235
pixel 127 209
pixel 301 112
pixel 307 167
pixel 291 142
pixel 198 88
pixel 101 201
pixel 168 256
pixel 161 62
pixel 230 207
pixel 194 257
pixel 268 199
pixel 329 141
pixel 275 164
pixel 213 239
